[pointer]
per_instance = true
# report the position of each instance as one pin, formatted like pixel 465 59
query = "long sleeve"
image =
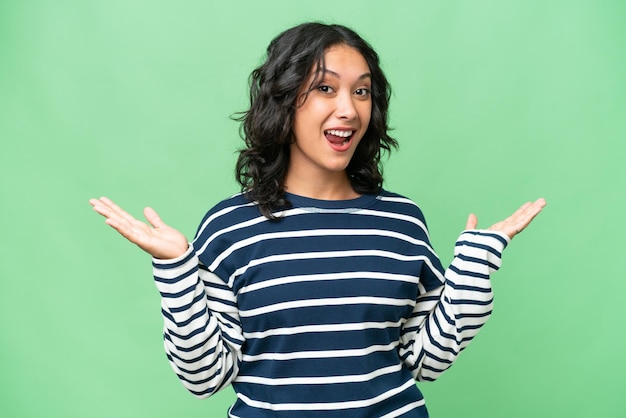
pixel 447 318
pixel 202 332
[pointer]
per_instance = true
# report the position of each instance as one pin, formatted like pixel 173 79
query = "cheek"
pixel 366 114
pixel 307 114
pixel 300 120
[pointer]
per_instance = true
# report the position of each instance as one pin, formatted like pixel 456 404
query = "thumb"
pixel 472 222
pixel 153 217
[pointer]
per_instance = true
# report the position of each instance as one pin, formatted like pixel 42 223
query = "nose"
pixel 346 109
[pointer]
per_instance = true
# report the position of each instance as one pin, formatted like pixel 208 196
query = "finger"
pixel 116 218
pixel 519 211
pixel 526 217
pixel 117 210
pixel 529 210
pixel 122 227
pixel 98 207
pixel 108 212
pixel 136 232
pixel 153 218
pixel 472 222
pixel 521 219
pixel 102 205
pixel 104 210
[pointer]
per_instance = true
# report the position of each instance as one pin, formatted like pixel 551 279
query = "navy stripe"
pixel 190 348
pixel 182 293
pixel 477 261
pixel 468 273
pixel 491 235
pixel 474 315
pixel 194 332
pixel 206 354
pixel 481 246
pixel 438 343
pixel 471 302
pixel 182 308
pixel 166 265
pixel 456 286
pixel 174 279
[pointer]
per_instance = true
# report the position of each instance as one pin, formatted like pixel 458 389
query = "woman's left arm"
pixel 448 317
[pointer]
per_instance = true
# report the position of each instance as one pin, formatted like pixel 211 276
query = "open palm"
pixel 515 223
pixel 155 237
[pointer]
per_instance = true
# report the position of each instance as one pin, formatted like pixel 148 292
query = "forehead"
pixel 344 59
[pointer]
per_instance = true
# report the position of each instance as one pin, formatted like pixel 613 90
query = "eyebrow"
pixel 333 73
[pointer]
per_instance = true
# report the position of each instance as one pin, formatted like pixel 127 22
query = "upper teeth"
pixel 343 134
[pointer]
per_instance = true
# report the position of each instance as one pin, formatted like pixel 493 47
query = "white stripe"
pixel 328 277
pixel 408 202
pixel 308 303
pixel 249 222
pixel 331 255
pixel 299 355
pixel 397 200
pixel 322 380
pixel 393 215
pixel 483 239
pixel 329 406
pixel 404 409
pixel 356 326
pixel 218 214
pixel 316 233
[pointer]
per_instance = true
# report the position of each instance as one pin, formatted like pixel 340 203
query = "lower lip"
pixel 340 146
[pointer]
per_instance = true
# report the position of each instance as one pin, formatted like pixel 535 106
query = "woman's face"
pixel 333 118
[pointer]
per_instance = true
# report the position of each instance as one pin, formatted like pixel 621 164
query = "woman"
pixel 315 292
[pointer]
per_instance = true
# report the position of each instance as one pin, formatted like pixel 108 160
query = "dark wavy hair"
pixel 267 126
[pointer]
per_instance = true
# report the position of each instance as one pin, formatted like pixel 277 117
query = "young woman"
pixel 315 292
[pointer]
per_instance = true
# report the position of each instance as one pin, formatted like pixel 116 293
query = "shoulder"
pixel 399 204
pixel 230 203
pixel 226 213
pixel 400 213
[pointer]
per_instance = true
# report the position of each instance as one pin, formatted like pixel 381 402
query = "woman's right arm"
pixel 202 332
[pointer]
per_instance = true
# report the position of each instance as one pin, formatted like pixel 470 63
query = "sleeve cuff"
pixel 173 262
pixel 482 244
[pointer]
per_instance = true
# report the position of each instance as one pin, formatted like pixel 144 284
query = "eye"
pixel 324 88
pixel 362 92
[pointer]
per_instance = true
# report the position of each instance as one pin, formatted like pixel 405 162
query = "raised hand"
pixel 515 223
pixel 157 238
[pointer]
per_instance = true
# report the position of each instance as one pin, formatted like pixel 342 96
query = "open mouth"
pixel 338 137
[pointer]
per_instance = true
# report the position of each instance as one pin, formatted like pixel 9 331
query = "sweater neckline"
pixel 320 205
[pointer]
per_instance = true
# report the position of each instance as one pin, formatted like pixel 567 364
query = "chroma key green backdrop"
pixel 495 102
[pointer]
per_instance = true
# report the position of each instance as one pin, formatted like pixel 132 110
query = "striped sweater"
pixel 334 310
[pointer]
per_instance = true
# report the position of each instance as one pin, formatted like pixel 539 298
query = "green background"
pixel 495 103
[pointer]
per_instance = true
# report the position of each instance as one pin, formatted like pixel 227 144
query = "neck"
pixel 337 188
